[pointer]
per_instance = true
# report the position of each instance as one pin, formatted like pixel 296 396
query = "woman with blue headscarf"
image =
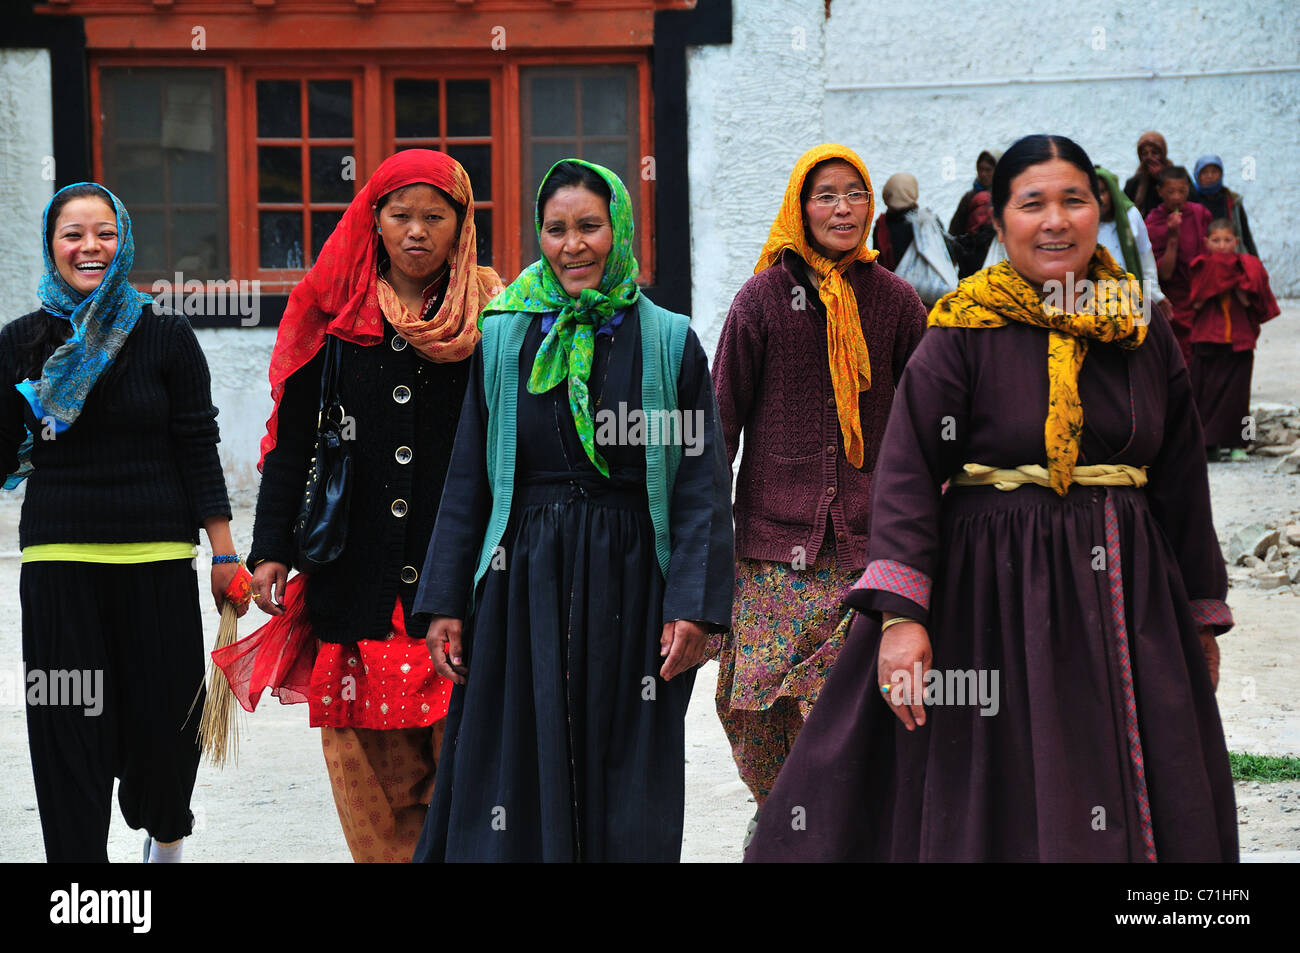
pixel 106 413
pixel 1221 200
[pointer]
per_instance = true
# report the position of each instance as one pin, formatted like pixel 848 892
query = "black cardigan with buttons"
pixel 404 409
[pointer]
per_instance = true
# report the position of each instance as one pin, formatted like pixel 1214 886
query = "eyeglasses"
pixel 832 199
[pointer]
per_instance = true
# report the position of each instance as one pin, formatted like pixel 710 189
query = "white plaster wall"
pixel 757 104
pixel 26 140
pixel 238 359
pixel 754 107
pixel 1250 120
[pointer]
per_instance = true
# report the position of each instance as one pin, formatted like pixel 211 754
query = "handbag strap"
pixel 329 378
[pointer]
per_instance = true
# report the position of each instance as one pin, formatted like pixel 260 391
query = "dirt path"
pixel 276 805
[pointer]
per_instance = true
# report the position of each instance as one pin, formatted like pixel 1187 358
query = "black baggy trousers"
pixel 133 636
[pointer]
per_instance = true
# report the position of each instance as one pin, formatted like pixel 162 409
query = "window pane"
pixel 552 110
pixel 195 242
pixel 416 106
pixel 164 151
pixel 605 105
pixel 327 182
pixel 150 232
pixel 322 224
pixel 483 231
pixel 279 109
pixel 279 174
pixel 191 175
pixel 477 161
pixel 613 156
pixel 469 108
pixel 136 105
pixel 329 108
pixel 280 239
pixel 138 175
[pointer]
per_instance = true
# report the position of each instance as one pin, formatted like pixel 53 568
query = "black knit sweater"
pixel 140 463
pixel 405 410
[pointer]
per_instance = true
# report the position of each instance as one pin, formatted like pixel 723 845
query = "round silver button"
pixel 401 393
pixel 403 455
pixel 398 508
pixel 409 574
pixel 399 343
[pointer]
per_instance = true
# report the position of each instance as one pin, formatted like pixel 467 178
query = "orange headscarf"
pixel 850 364
pixel 340 292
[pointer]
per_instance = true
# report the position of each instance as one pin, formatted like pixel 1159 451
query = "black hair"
pixel 566 175
pixel 382 255
pixel 51 331
pixel 1174 172
pixel 1220 225
pixel 1035 150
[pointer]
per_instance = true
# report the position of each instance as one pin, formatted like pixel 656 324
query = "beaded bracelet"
pixel 231 558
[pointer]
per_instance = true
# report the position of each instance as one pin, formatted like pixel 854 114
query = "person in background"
pixel 1221 201
pixel 972 248
pixel 1177 229
pixel 985 163
pixel 893 231
pixel 810 389
pixel 1124 234
pixel 106 410
pixel 399 285
pixel 1142 188
pixel 1230 299
pixel 1034 646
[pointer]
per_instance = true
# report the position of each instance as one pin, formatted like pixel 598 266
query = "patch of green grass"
pixel 1263 767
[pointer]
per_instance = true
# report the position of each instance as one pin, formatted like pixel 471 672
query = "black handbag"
pixel 321 528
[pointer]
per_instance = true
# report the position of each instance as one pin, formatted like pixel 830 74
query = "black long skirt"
pixel 565 744
pixel 1221 385
pixel 1079 607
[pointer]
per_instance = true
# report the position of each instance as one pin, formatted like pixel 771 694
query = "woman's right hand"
pixel 268 586
pixel 445 648
pixel 902 647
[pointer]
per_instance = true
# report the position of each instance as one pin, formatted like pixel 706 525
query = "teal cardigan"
pixel 663 340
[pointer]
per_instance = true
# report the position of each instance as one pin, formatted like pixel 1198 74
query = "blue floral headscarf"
pixel 101 322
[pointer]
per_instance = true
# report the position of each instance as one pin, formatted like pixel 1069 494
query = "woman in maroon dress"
pixel 1063 612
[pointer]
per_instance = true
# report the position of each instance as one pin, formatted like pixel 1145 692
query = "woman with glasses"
pixel 806 367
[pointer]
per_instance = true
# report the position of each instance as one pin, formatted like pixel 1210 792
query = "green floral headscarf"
pixel 566 352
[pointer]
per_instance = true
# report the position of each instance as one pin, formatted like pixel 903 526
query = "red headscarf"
pixel 338 295
pixel 981 212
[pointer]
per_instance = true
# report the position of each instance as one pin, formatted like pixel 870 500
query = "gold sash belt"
pixel 1103 474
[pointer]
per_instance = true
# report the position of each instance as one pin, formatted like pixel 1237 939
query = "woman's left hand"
pixel 1210 646
pixel 223 574
pixel 685 643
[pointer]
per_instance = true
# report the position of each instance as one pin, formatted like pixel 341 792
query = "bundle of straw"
pixel 219 726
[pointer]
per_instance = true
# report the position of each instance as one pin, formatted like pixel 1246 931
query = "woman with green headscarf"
pixel 582 555
pixel 1124 234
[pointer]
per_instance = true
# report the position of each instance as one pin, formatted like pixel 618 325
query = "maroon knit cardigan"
pixel 772 377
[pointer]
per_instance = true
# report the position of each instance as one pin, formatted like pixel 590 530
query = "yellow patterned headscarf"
pixel 993 297
pixel 849 362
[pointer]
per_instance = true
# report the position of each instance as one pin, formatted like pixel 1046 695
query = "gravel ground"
pixel 276 806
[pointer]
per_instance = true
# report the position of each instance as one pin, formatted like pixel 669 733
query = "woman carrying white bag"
pixel 923 261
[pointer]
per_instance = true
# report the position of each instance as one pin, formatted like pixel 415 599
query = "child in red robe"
pixel 1230 299
pixel 1177 230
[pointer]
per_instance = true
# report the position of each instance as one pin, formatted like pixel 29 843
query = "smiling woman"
pixel 1070 557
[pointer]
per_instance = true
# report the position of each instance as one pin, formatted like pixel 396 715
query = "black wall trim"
pixel 709 22
pixel 65 38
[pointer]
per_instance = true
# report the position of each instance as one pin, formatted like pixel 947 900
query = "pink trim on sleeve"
pixel 898 578
pixel 1212 612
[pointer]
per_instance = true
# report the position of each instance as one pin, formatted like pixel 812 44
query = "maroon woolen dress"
pixel 1106 743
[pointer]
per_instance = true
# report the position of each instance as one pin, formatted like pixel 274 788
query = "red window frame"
pixel 374 131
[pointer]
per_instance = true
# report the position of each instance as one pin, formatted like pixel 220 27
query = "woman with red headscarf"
pixel 398 283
